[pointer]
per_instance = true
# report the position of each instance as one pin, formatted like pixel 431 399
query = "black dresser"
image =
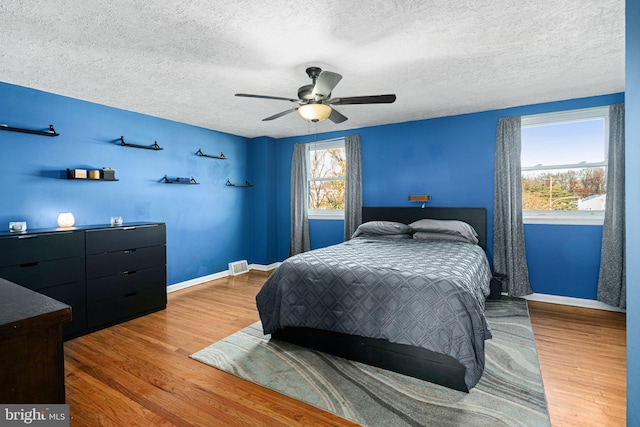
pixel 106 274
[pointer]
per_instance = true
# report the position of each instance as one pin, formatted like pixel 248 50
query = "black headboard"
pixel 475 217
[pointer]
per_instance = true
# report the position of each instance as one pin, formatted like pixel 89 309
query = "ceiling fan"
pixel 314 100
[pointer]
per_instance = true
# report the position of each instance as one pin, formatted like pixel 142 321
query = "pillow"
pixel 382 228
pixel 388 236
pixel 425 235
pixel 454 227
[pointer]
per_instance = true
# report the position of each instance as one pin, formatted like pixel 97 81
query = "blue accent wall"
pixel 452 159
pixel 632 199
pixel 206 223
pixel 263 230
pixel 326 232
pixel 564 260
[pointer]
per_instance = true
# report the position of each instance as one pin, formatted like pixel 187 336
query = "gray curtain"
pixel 612 285
pixel 299 240
pixel 509 255
pixel 353 186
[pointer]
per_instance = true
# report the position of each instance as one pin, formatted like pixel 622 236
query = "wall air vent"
pixel 238 267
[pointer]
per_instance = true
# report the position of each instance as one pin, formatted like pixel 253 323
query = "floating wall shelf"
pixel 187 181
pixel 201 154
pixel 155 145
pixel 50 132
pixel 246 184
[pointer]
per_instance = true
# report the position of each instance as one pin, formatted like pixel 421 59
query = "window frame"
pixel 323 214
pixel 560 117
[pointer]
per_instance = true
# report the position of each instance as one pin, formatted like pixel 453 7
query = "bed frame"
pixel 405 359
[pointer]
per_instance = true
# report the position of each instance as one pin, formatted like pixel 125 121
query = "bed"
pixel 389 302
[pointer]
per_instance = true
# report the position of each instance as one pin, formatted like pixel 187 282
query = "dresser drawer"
pixel 126 307
pixel 45 274
pixel 111 263
pixel 123 238
pixel 125 283
pixel 72 294
pixel 26 248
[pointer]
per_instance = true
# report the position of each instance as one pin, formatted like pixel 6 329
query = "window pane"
pixel 564 143
pixel 326 194
pixel 327 163
pixel 564 189
pixel 564 164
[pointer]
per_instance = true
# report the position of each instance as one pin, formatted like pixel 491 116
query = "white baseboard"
pixel 576 302
pixel 196 281
pixel 261 267
pixel 214 276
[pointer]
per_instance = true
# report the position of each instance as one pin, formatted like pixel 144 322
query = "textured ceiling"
pixel 184 60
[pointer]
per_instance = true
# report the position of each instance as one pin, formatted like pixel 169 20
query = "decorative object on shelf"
pixel 50 132
pixel 77 173
pixel 201 154
pixel 191 180
pixel 106 174
pixel 420 198
pixel 246 184
pixel 116 221
pixel 18 226
pixel 155 145
pixel 66 220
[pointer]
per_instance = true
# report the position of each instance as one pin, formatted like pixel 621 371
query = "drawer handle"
pixel 128 228
pixel 33 236
pixel 130 294
pixel 130 272
pixel 128 251
pixel 28 264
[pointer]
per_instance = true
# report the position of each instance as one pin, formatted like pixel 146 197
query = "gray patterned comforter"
pixel 423 293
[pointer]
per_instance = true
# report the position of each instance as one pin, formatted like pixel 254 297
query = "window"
pixel 564 166
pixel 327 172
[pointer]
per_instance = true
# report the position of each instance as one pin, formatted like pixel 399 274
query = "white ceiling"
pixel 184 60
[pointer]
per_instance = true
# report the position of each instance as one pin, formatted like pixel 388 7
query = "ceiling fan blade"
pixel 247 95
pixel 284 113
pixel 372 99
pixel 336 116
pixel 325 83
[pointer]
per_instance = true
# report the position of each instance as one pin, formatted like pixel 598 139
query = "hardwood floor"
pixel 582 355
pixel 140 373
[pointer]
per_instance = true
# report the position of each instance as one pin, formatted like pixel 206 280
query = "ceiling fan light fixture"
pixel 314 112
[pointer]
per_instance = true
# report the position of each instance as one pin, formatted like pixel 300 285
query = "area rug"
pixel 510 392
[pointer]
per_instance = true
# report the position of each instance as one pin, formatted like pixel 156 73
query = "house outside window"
pixel 327 173
pixel 564 166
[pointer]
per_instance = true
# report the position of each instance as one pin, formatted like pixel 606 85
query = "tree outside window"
pixel 327 172
pixel 564 190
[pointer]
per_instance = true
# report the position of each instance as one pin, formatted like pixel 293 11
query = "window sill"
pixel 563 218
pixel 326 215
